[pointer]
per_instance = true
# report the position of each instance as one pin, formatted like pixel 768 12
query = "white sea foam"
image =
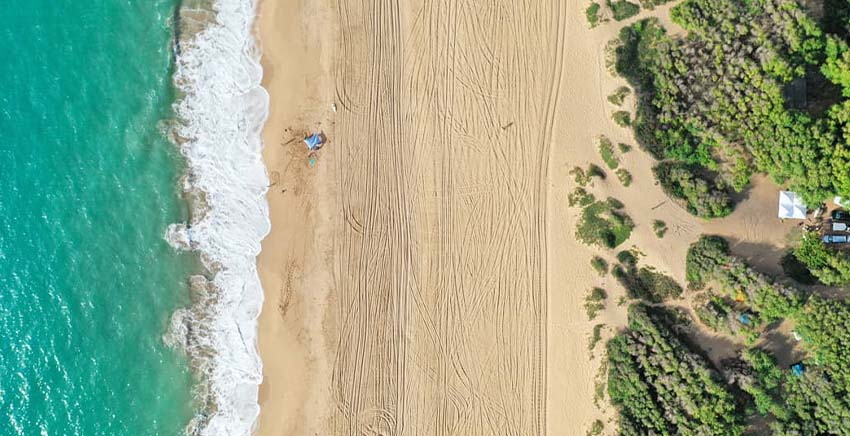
pixel 221 114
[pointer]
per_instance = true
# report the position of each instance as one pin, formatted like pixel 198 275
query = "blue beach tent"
pixel 313 141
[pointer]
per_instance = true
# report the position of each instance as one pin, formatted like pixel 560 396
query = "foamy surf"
pixel 221 114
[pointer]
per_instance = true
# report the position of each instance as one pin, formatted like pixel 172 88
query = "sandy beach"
pixel 422 274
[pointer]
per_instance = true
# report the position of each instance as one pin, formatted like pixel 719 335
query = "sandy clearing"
pixel 422 277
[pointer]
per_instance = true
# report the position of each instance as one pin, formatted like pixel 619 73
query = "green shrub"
pixel 594 170
pixel 580 197
pixel 594 302
pixel 584 177
pixel 593 14
pixel 627 258
pixel 595 336
pixel 596 428
pixel 624 148
pixel 619 95
pixel 622 9
pixel 606 151
pixel 659 228
pixel 624 176
pixel 622 118
pixel 600 265
pixel 603 223
pixel 646 284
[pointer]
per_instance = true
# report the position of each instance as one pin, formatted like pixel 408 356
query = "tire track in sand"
pixel 443 145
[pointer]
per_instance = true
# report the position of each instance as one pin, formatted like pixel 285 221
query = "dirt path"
pixel 440 246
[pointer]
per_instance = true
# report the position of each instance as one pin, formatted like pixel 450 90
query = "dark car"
pixel 834 239
pixel 841 215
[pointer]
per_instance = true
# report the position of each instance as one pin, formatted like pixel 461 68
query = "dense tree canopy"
pixel 831 267
pixel 716 99
pixel 708 260
pixel 661 387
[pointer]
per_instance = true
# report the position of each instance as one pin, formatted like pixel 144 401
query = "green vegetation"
pixel 619 95
pixel 816 402
pixel 595 337
pixel 755 86
pixel 600 265
pixel 720 101
pixel 627 258
pixel 624 148
pixel 699 196
pixel 594 302
pixel 831 267
pixel 593 14
pixel 660 386
pixel 624 176
pixel 606 150
pixel 596 428
pixel 659 228
pixel 651 4
pixel 709 260
pixel 646 284
pixel 622 9
pixel 622 118
pixel 715 314
pixel 580 197
pixel 603 223
pixel 584 178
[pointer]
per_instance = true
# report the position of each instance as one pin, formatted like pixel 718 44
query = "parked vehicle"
pixel 835 239
pixel 841 215
pixel 838 226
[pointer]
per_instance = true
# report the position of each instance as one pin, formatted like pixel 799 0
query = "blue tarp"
pixel 745 319
pixel 313 141
pixel 798 369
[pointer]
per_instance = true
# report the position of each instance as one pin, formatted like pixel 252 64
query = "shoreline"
pixel 225 185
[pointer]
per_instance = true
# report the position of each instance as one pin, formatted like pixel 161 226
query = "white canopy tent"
pixel 791 206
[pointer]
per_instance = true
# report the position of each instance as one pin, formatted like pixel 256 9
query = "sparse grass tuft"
pixel 606 151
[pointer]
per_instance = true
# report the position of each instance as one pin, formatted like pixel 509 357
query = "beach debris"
pixel 333 107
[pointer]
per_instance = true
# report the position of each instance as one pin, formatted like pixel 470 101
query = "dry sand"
pixel 421 276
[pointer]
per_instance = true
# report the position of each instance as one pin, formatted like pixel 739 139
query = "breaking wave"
pixel 220 112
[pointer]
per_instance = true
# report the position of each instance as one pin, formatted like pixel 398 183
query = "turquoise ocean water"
pixel 88 185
